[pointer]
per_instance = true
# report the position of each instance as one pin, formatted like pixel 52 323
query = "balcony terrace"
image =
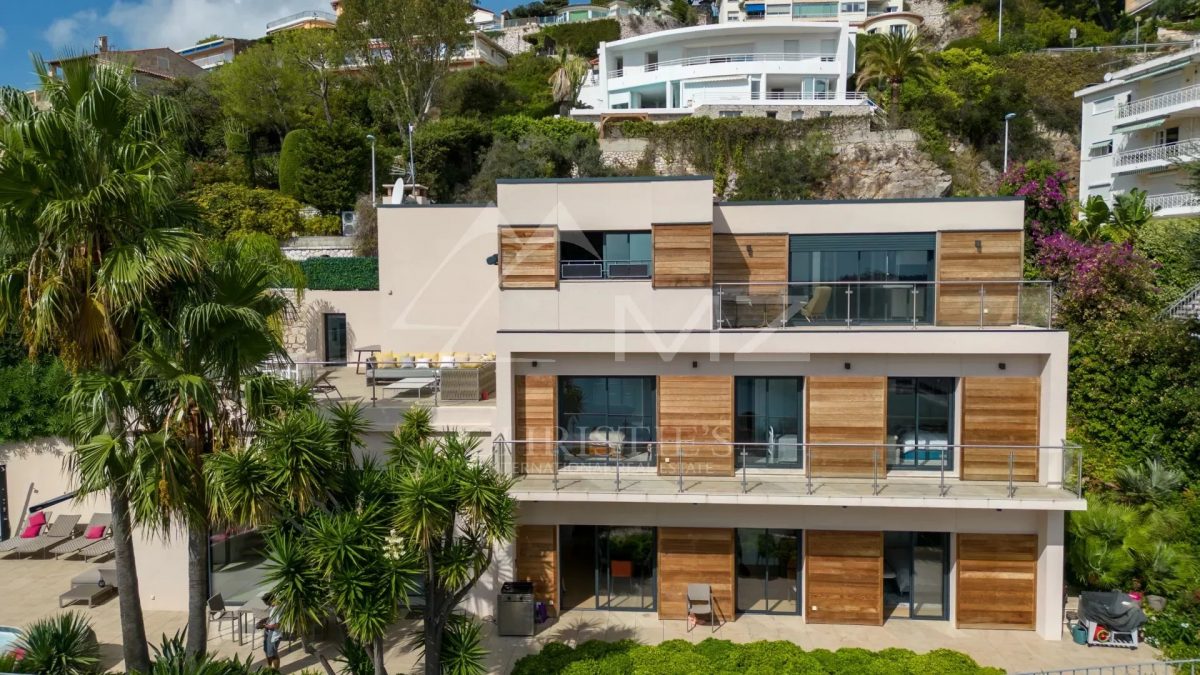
pixel 711 59
pixel 793 472
pixel 1174 203
pixel 978 304
pixel 1185 97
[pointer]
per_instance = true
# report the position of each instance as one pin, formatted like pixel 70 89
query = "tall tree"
pixel 405 48
pixel 567 79
pixel 319 56
pixel 264 90
pixel 92 226
pixel 891 60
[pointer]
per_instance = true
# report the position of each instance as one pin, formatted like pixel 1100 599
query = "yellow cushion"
pixel 462 357
pixel 387 360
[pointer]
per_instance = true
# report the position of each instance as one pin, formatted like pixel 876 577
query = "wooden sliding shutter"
pixel 694 555
pixel 847 410
pixel 697 412
pixel 1000 411
pixel 997 581
pixel 528 257
pixel 683 255
pixel 750 258
pixel 978 256
pixel 843 574
pixel 534 408
pixel 537 561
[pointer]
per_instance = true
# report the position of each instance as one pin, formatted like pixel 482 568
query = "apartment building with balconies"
pixel 850 411
pixel 871 15
pixel 785 70
pixel 1138 127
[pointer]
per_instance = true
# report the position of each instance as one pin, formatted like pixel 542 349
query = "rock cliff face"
pixel 882 168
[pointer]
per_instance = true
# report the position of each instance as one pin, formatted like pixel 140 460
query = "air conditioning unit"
pixel 349 223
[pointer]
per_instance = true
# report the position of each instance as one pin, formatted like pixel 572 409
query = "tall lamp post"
pixel 1000 23
pixel 374 200
pixel 1007 118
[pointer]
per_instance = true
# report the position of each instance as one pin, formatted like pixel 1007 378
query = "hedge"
pixel 725 657
pixel 341 274
pixel 582 39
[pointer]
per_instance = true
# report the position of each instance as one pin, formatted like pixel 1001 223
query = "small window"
pixel 826 113
pixel 1165 136
pixel 730 113
pixel 1103 105
pixel 163 63
pixel 899 29
pixel 772 114
pixel 778 10
pixel 733 16
pixel 854 6
pixel 1102 149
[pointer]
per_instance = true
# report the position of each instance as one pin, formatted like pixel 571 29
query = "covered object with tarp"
pixel 1112 618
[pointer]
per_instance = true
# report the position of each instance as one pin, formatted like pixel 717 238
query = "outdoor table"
pixel 358 352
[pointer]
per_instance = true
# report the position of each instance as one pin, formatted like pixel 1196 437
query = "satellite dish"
pixel 398 191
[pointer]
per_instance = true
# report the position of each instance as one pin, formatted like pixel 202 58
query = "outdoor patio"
pixel 30 589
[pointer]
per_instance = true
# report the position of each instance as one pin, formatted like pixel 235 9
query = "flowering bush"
pixel 1095 281
pixel 1044 187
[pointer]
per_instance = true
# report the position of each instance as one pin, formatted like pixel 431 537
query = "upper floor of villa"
pixel 891 15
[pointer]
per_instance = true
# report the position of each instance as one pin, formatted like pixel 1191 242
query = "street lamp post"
pixel 412 166
pixel 1000 23
pixel 374 199
pixel 1007 119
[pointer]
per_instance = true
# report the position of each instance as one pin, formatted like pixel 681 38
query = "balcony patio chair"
pixel 217 611
pixel 96 529
pixel 98 550
pixel 700 603
pixel 60 530
pixel 817 304
pixel 16 540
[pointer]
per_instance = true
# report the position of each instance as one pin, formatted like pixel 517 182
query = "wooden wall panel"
pixel 1000 411
pixel 534 412
pixel 695 555
pixel 683 255
pixel 997 581
pixel 528 257
pixel 750 258
pixel 847 410
pixel 695 409
pixel 999 257
pixel 537 561
pixel 843 574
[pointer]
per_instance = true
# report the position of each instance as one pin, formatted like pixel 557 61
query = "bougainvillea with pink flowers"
pixel 1095 281
pixel 1048 208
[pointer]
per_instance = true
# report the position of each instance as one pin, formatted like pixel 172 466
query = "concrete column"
pixel 1050 575
pixel 602 64
pixel 1053 414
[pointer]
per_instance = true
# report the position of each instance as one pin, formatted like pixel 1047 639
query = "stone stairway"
pixel 1187 306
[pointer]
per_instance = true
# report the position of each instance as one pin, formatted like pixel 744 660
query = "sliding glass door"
pixel 625 568
pixel 916 566
pixel 769 421
pixel 768 570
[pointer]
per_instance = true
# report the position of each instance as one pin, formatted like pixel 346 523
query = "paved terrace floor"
pixel 30 590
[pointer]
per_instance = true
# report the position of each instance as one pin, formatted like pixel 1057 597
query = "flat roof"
pixel 601 179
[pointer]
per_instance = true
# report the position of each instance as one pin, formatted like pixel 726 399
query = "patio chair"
pixel 322 385
pixel 98 550
pixel 217 611
pixel 817 304
pixel 97 528
pixel 16 540
pixel 700 603
pixel 60 530
pixel 91 586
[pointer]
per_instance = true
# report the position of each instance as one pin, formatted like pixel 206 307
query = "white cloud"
pixel 134 24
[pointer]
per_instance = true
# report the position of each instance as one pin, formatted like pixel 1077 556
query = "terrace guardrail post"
pixel 617 452
pixel 849 292
pixel 1012 456
pixel 679 454
pixel 875 471
pixel 914 306
pixel 807 469
pixel 942 478
pixel 743 469
pixel 981 301
pixel 554 464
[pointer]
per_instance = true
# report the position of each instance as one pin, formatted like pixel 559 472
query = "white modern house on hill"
pixel 1138 126
pixel 784 70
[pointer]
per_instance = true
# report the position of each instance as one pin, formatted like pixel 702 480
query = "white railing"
pixel 1158 101
pixel 1173 200
pixel 1187 306
pixel 708 59
pixel 1158 153
pixel 311 14
pixel 703 98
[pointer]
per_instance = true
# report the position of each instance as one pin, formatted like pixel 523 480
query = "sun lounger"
pixel 99 549
pixel 60 530
pixel 16 540
pixel 91 586
pixel 71 547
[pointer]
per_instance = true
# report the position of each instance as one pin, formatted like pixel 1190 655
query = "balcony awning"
pixel 1148 124
pixel 1162 70
pixel 757 7
pixel 1101 144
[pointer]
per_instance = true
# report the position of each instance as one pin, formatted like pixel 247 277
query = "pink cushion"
pixel 38 518
pixel 31 531
pixel 94 532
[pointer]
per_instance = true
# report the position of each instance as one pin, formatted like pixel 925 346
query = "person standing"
pixel 271 633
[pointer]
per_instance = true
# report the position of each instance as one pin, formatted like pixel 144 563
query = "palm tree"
pixel 891 60
pixel 566 80
pixel 196 353
pixel 92 225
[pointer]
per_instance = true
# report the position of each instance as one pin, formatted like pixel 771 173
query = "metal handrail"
pixel 1156 153
pixel 710 59
pixel 291 370
pixel 1173 667
pixel 603 269
pixel 1184 307
pixel 741 97
pixel 611 457
pixel 1173 200
pixel 768 304
pixel 307 14
pixel 1163 100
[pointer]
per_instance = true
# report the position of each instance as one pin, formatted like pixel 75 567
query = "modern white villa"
pixel 786 70
pixel 1138 126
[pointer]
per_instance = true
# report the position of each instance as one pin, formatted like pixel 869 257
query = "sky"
pixel 53 27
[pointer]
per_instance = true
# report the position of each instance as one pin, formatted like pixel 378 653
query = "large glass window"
pixel 768 570
pixel 920 422
pixel 896 269
pixel 237 565
pixel 625 568
pixel 768 423
pixel 605 255
pixel 915 570
pixel 603 418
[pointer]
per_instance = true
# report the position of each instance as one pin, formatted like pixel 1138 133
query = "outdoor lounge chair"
pixel 90 535
pixel 322 385
pixel 60 530
pixel 700 603
pixel 815 308
pixel 99 549
pixel 16 540
pixel 92 586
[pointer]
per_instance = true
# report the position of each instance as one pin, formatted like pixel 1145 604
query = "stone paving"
pixel 30 588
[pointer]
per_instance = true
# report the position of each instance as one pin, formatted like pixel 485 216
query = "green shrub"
pixel 579 38
pixel 342 274
pixel 448 153
pixel 30 393
pixel 336 168
pixel 559 129
pixel 228 207
pixel 64 644
pixel 291 158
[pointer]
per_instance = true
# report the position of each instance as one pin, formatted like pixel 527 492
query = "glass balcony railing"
pixel 978 304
